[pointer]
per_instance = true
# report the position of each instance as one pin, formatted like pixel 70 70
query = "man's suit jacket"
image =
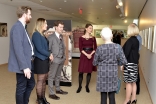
pixel 54 42
pixel 20 50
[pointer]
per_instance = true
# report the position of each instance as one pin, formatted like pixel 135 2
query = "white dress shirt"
pixel 57 34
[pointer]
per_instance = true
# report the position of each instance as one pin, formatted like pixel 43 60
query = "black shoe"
pixel 54 97
pixel 87 89
pixel 62 92
pixel 78 90
pixel 134 102
pixel 40 101
pixel 45 101
pixel 129 102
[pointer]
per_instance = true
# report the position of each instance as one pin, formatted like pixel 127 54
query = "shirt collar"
pixel 57 34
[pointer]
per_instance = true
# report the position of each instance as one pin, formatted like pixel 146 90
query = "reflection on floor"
pixel 7 90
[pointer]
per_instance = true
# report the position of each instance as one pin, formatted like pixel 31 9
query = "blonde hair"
pixel 132 30
pixel 38 25
pixel 106 33
pixel 21 10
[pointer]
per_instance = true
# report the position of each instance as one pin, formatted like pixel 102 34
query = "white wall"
pixel 148 59
pixel 8 15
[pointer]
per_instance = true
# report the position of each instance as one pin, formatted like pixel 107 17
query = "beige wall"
pixel 148 59
pixel 99 40
pixel 9 16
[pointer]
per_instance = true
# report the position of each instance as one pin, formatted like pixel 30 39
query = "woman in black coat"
pixel 131 51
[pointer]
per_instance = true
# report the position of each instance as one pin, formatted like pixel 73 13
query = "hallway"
pixel 7 90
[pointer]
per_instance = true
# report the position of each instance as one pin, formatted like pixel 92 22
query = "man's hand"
pixel 27 73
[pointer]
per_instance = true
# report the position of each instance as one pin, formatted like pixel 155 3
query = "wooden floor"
pixel 8 82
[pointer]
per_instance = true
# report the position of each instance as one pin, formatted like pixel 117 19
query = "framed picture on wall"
pixel 147 38
pixel 150 38
pixel 3 30
pixel 97 33
pixel 143 34
pixel 153 39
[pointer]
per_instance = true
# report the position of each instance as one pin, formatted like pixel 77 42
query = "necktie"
pixel 60 37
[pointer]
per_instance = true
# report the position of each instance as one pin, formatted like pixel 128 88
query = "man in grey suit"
pixel 20 56
pixel 57 48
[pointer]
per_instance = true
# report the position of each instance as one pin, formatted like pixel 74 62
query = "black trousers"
pixel 24 87
pixel 111 97
pixel 138 83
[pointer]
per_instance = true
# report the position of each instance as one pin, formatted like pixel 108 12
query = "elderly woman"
pixel 131 50
pixel 107 57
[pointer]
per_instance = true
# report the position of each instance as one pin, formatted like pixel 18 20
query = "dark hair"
pixel 56 23
pixel 21 10
pixel 87 25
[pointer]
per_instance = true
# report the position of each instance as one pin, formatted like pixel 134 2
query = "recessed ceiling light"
pixel 72 13
pixel 65 0
pixel 101 8
pixel 60 8
pixel 125 21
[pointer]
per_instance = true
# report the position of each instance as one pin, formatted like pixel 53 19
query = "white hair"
pixel 106 33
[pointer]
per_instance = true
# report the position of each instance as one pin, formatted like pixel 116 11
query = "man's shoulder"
pixel 51 35
pixel 17 25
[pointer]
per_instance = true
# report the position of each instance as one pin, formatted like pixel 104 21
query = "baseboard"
pixel 61 83
pixel 145 83
pixel 4 64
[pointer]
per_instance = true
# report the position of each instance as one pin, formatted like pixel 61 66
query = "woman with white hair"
pixel 107 57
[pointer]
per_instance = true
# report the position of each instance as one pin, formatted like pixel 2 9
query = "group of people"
pixel 108 57
pixel 44 55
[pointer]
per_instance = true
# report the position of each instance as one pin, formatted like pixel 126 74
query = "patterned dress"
pixel 106 58
pixel 85 64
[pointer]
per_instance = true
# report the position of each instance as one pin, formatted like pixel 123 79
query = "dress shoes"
pixel 134 102
pixel 54 97
pixel 62 92
pixel 45 101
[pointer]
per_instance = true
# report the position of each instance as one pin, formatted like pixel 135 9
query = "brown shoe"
pixel 62 92
pixel 54 97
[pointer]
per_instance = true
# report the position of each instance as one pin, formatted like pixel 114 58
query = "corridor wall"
pixel 147 58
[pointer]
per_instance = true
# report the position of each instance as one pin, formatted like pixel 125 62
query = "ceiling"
pixel 97 12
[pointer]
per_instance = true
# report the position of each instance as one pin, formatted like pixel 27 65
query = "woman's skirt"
pixel 41 66
pixel 130 73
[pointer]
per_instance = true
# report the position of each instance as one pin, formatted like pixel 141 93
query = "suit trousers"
pixel 24 87
pixel 54 75
pixel 111 97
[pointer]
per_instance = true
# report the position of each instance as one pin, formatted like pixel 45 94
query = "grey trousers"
pixel 54 75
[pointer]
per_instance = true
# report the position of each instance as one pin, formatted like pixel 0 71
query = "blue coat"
pixel 20 50
pixel 41 46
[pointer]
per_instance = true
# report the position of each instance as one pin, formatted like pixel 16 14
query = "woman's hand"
pixel 89 56
pixel 122 68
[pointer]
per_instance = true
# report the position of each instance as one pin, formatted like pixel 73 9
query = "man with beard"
pixel 21 56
